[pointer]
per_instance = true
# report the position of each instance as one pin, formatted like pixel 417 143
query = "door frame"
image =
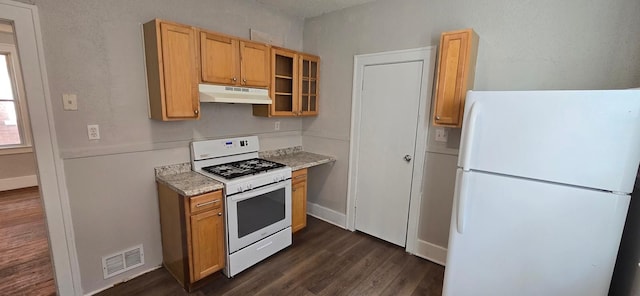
pixel 51 177
pixel 427 55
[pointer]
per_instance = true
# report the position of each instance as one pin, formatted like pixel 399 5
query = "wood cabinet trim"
pixel 247 67
pixel 295 95
pixel 451 87
pixel 316 59
pixel 207 71
pixel 179 246
pixel 299 199
pixel 160 76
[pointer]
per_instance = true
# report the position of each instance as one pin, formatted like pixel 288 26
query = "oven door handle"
pixel 260 191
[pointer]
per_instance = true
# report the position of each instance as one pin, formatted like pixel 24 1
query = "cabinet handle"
pixel 298 177
pixel 207 203
pixel 196 112
pixel 234 79
pixel 219 214
pixel 437 117
pixel 244 80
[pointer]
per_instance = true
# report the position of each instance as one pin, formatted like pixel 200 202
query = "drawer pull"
pixel 207 203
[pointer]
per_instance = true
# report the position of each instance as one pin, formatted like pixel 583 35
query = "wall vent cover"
pixel 122 261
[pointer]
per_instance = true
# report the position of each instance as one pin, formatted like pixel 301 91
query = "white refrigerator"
pixel 542 191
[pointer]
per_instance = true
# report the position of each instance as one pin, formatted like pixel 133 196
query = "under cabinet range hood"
pixel 210 93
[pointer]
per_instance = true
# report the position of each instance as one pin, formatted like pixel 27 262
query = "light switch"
pixel 441 134
pixel 70 102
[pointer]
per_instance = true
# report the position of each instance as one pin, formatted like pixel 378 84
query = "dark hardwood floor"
pixel 25 264
pixel 323 260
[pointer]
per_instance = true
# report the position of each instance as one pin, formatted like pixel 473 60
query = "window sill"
pixel 16 150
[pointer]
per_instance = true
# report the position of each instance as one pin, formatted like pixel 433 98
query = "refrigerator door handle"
pixel 468 132
pixel 461 200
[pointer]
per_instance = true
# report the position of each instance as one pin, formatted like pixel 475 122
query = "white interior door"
pixel 386 146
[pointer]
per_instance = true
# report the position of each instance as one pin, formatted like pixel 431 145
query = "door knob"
pixel 407 157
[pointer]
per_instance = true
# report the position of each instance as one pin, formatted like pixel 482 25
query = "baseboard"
pixel 431 252
pixel 18 182
pixel 327 215
pixel 124 281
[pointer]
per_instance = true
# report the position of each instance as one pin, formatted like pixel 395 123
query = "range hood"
pixel 210 93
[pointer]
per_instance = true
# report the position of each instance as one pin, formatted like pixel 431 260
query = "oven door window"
pixel 260 211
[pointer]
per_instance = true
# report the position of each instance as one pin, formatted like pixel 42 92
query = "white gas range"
pixel 257 198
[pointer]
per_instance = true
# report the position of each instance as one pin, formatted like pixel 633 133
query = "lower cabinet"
pixel 192 234
pixel 298 200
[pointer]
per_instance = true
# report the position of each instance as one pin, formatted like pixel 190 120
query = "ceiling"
pixel 311 8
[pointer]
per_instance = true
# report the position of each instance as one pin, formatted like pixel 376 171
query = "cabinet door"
pixel 254 64
pixel 284 89
pixel 455 76
pixel 308 84
pixel 299 200
pixel 207 243
pixel 179 55
pixel 219 59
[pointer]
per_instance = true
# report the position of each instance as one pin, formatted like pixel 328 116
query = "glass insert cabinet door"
pixel 309 84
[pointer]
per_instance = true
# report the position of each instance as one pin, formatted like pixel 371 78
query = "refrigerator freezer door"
pixel 583 138
pixel 524 237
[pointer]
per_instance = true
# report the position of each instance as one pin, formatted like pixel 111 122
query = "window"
pixel 14 121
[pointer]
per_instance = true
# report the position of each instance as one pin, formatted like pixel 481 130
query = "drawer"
pixel 207 201
pixel 299 176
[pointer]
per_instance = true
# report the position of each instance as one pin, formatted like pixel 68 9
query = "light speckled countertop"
pixel 186 182
pixel 300 159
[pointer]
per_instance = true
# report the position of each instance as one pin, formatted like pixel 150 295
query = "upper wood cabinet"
pixel 309 76
pixel 294 85
pixel 231 61
pixel 455 75
pixel 172 70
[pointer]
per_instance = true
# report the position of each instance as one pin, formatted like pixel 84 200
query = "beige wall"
pixel 524 45
pixel 17 165
pixel 94 49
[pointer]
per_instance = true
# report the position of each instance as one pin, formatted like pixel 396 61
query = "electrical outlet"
pixel 69 102
pixel 93 130
pixel 441 134
pixel 277 126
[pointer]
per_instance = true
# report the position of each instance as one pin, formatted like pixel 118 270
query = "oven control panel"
pixel 223 147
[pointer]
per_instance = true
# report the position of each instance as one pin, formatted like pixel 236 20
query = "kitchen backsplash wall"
pixel 94 49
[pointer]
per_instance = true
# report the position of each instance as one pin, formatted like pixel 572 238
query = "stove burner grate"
pixel 242 168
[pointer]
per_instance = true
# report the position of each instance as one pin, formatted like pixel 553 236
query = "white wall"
pixel 94 49
pixel 524 45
